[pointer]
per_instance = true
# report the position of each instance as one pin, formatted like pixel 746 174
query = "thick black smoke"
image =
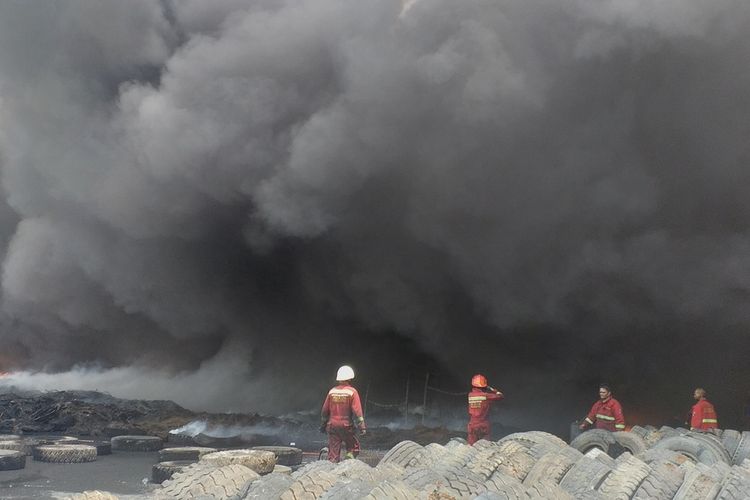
pixel 220 202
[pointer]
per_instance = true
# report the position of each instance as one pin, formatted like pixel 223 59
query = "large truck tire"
pixel 586 475
pixel 698 485
pixel 714 442
pixel 550 468
pixel 285 455
pixel 630 442
pixel 136 443
pixel 662 483
pixel 351 489
pixel 102 447
pixel 736 485
pixel 392 490
pixel 594 438
pixel 193 453
pixel 65 453
pixel 198 481
pixel 544 490
pixel 312 485
pixel 731 440
pixel 406 454
pixel 517 465
pixel 165 470
pixel 259 461
pixel 696 449
pixel 270 486
pixel 622 483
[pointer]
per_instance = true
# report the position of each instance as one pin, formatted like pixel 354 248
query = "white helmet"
pixel 344 373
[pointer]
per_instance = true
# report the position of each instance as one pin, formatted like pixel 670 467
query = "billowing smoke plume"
pixel 249 193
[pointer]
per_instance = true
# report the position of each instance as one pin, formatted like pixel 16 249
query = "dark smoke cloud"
pixel 243 192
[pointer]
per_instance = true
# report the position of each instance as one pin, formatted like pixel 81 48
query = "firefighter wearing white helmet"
pixel 342 410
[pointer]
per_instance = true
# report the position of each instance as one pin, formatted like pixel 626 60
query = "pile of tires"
pixel 520 466
pixel 680 464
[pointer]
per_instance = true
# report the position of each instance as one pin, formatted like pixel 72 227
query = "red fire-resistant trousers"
pixel 337 435
pixel 477 430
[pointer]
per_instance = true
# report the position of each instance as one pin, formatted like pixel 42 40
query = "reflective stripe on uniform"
pixel 710 421
pixel 605 417
pixel 477 398
pixel 589 420
pixel 360 419
pixel 619 426
pixel 341 392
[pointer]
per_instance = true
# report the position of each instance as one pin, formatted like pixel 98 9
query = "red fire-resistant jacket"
pixel 703 416
pixel 607 415
pixel 342 405
pixel 479 404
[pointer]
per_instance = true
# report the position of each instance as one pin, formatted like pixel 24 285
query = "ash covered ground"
pixel 95 415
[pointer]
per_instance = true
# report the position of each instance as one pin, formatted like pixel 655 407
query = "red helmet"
pixel 479 380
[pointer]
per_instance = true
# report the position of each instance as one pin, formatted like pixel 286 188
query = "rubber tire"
pixel 550 468
pixel 102 447
pixel 630 442
pixel 200 481
pixel 270 486
pixel 64 453
pixel 731 440
pixel 696 449
pixel 12 460
pixel 594 438
pixel 259 461
pixel 406 454
pixel 136 443
pixel 192 453
pixel 311 485
pixel 353 488
pixel 743 449
pixel 586 474
pixel 165 470
pixel 623 482
pixel 392 490
pixel 736 485
pixel 697 486
pixel 662 483
pixel 285 455
pixel 517 465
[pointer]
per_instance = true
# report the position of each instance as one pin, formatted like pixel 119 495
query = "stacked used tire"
pixel 520 466
pixel 683 464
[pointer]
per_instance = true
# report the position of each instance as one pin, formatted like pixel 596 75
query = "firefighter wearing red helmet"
pixel 341 407
pixel 480 397
pixel 606 413
pixel 702 415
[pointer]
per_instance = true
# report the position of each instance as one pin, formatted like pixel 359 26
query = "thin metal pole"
pixel 406 402
pixel 367 394
pixel 424 398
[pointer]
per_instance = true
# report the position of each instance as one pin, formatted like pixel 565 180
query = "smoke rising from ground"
pixel 551 193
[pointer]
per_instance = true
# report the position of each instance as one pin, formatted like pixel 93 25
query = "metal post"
pixel 406 402
pixel 367 394
pixel 424 398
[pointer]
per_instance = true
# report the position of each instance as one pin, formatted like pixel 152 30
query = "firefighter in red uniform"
pixel 341 407
pixel 479 408
pixel 703 415
pixel 606 413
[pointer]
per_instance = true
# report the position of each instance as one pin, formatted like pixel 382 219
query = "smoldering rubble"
pixel 552 193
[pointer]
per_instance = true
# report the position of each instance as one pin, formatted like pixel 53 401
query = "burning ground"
pixel 221 204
